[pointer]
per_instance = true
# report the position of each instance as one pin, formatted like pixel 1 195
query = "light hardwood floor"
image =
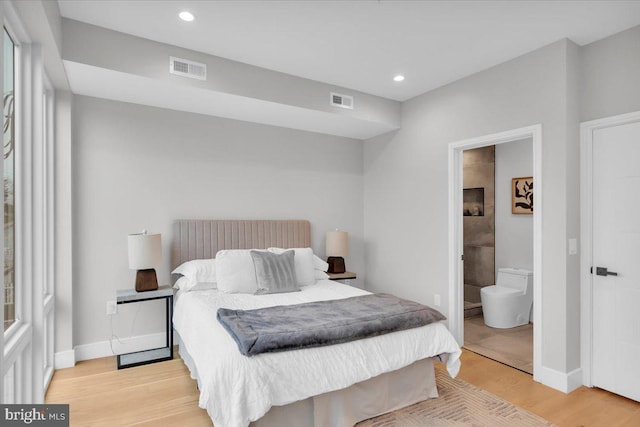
pixel 163 394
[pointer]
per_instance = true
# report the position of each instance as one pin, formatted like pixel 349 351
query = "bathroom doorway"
pixel 498 236
pixel 487 236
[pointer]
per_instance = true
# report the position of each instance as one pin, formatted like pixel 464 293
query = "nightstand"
pixel 344 278
pixel 128 296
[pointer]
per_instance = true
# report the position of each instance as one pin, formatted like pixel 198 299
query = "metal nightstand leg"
pixel 170 325
pixel 145 357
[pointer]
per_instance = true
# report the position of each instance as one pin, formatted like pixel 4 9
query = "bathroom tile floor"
pixel 513 347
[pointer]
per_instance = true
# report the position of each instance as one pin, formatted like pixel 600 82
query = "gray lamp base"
pixel 146 280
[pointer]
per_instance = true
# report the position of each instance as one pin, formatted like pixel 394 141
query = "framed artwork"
pixel 473 202
pixel 522 195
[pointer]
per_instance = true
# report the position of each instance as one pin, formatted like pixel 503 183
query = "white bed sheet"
pixel 236 390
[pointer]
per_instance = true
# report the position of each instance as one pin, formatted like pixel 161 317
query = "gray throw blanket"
pixel 315 324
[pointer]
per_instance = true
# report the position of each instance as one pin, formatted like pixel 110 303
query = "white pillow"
pixel 182 283
pixel 320 275
pixel 235 272
pixel 303 262
pixel 186 285
pixel 319 264
pixel 198 270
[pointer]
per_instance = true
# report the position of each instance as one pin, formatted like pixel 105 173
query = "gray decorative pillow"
pixel 275 273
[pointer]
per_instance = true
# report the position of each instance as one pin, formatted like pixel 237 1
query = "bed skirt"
pixel 361 401
pixel 346 407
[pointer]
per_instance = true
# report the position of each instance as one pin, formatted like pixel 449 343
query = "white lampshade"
pixel 337 243
pixel 145 251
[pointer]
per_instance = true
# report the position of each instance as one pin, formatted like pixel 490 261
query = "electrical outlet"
pixel 112 308
pixel 436 300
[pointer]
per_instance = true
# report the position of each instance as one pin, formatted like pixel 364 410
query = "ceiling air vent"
pixel 343 101
pixel 186 68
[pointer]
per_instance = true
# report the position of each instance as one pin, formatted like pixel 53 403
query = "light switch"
pixel 573 246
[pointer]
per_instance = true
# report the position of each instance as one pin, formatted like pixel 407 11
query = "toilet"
pixel 508 303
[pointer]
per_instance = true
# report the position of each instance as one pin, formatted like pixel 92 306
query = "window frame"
pixel 18 292
pixel 26 345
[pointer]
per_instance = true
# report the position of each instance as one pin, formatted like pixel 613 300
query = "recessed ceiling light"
pixel 398 78
pixel 186 16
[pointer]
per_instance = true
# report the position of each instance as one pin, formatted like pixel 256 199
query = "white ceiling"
pixel 361 45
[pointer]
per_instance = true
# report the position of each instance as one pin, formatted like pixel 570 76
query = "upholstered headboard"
pixel 202 239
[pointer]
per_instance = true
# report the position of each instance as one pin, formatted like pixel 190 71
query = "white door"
pixel 616 248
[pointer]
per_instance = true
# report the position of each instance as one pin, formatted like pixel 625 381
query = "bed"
pixel 337 385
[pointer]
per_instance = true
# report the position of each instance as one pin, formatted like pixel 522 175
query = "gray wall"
pixel 406 180
pixel 610 70
pixel 138 167
pixel 64 303
pixel 514 233
pixel 572 204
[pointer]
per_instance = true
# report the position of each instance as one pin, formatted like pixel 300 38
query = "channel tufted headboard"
pixel 202 239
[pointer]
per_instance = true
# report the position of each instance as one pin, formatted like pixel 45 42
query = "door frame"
pixel 587 130
pixel 456 245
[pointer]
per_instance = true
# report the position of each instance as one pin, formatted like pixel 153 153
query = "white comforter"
pixel 236 390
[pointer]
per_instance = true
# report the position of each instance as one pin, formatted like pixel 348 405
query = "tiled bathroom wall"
pixel 479 230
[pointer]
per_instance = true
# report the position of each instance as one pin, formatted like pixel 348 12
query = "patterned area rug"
pixel 459 404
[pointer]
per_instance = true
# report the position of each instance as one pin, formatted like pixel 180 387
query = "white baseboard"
pixel 64 359
pixel 125 345
pixel 564 382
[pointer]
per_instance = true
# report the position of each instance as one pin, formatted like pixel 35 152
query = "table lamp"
pixel 337 248
pixel 145 253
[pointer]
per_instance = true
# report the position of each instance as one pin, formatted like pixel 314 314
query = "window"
pixel 8 138
pixel 26 364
